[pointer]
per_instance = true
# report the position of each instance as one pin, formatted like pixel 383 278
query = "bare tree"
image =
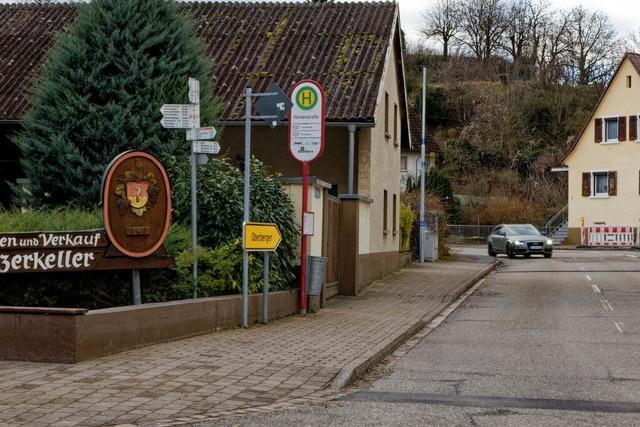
pixel 482 23
pixel 551 51
pixel 441 22
pixel 592 44
pixel 632 41
pixel 517 34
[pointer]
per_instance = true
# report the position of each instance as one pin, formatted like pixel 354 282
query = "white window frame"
pixel 637 124
pixel 405 167
pixel 595 195
pixel 604 130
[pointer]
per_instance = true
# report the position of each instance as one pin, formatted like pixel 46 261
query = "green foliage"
pixel 406 225
pixel 220 271
pixel 220 209
pixel 48 220
pixel 100 94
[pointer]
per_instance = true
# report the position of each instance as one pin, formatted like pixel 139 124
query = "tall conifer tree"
pixel 100 94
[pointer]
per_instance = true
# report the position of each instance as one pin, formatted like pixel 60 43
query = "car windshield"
pixel 522 230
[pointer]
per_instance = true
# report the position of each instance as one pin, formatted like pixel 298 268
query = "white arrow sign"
pixel 201 133
pixel 194 91
pixel 205 147
pixel 180 116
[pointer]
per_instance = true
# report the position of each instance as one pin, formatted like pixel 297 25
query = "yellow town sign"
pixel 259 236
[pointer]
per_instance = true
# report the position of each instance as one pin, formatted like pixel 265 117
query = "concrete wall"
pixel 72 335
pixel 622 157
pixel 316 194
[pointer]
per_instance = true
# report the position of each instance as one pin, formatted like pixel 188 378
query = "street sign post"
pixel 306 144
pixel 180 116
pixel 205 147
pixel 271 107
pixel 262 237
pixel 187 116
pixel 274 107
pixel 201 133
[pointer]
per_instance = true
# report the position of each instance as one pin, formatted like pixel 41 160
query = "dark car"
pixel 518 239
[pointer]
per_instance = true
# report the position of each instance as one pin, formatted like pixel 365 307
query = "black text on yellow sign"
pixel 260 237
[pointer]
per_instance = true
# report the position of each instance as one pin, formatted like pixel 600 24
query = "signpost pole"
pixel 423 164
pixel 303 244
pixel 247 171
pixel 194 222
pixel 137 295
pixel 265 290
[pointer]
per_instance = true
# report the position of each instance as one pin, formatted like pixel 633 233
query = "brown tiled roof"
pixel 415 119
pixel 341 45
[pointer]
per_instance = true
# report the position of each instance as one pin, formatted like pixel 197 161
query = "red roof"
pixel 341 45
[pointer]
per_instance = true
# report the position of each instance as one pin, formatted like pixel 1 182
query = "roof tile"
pixel 341 45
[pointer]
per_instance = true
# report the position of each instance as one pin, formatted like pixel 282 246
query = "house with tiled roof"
pixel 353 49
pixel 603 165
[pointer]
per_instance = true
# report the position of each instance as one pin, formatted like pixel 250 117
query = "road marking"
pixel 583 269
pixel 588 277
pixel 632 256
pixel 606 304
pixel 595 288
pixel 619 328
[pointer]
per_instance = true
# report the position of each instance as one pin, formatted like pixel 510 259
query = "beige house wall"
pixel 384 169
pixel 315 204
pixel 622 157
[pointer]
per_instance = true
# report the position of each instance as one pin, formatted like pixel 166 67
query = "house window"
pixel 395 211
pixel 600 184
pixel 386 115
pixel 611 129
pixel 384 213
pixel 395 124
pixel 404 163
pixel 628 81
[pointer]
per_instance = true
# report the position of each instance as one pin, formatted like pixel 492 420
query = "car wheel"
pixel 490 250
pixel 547 255
pixel 510 253
pixel 527 255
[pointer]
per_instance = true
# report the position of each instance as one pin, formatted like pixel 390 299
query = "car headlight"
pixel 518 243
pixel 549 242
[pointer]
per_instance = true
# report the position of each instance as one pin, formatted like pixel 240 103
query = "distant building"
pixel 353 49
pixel 410 157
pixel 604 163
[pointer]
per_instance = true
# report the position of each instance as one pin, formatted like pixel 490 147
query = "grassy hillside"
pixel 499 137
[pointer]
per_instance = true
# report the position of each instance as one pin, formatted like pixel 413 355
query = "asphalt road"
pixel 541 342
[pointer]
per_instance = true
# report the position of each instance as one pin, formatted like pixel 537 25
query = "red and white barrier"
pixel 619 236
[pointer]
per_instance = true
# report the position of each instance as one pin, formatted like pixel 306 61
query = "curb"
pixel 354 369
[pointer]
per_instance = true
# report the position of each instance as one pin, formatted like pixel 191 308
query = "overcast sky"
pixel 623 13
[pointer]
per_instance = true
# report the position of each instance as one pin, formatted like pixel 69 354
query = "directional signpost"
pixel 272 106
pixel 306 144
pixel 262 237
pixel 187 116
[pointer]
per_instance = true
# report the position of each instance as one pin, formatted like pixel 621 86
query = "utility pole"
pixel 423 165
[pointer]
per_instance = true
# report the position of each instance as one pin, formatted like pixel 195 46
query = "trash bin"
pixel 316 272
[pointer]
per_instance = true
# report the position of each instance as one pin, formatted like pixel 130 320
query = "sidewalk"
pixel 202 377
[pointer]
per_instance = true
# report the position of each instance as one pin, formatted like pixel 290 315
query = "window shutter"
pixel 613 183
pixel 586 184
pixel 622 128
pixel 598 131
pixel 633 128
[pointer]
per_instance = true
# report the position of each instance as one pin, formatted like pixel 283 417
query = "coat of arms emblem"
pixel 137 191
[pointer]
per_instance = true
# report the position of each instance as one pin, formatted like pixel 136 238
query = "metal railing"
pixel 469 230
pixel 557 221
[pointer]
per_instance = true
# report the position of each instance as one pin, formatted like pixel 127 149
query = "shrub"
pixel 48 220
pixel 406 226
pixel 220 209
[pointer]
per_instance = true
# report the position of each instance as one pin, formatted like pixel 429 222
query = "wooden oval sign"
pixel 136 198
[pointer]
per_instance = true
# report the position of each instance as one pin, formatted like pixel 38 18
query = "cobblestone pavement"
pixel 262 368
